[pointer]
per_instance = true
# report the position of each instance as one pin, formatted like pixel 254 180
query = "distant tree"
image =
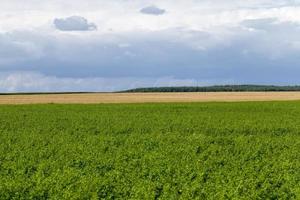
pixel 219 88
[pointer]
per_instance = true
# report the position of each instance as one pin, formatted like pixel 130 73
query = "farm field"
pixel 89 98
pixel 241 150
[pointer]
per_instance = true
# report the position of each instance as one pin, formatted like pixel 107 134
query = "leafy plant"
pixel 151 151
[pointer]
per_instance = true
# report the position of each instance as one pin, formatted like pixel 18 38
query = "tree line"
pixel 219 88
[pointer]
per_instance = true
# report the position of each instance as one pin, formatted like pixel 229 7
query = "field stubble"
pixel 92 98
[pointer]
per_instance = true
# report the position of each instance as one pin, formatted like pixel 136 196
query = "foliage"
pixel 150 151
pixel 220 88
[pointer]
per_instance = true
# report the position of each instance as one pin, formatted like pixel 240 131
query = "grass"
pixel 240 150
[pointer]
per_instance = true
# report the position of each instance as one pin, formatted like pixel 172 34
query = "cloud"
pixel 239 54
pixel 18 47
pixel 262 23
pixel 252 41
pixel 270 36
pixel 74 23
pixel 37 82
pixel 136 54
pixel 152 10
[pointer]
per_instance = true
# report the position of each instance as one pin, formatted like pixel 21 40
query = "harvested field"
pixel 148 97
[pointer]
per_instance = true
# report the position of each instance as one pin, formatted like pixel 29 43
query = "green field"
pixel 245 150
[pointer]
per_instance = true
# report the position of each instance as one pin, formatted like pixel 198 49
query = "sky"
pixel 100 45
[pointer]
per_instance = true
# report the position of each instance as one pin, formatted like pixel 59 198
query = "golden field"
pixel 93 98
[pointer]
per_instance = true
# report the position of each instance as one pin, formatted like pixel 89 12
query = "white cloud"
pixel 260 24
pixel 124 16
pixel 37 82
pixel 211 39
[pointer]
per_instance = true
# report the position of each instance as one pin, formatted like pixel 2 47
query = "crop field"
pixel 241 150
pixel 89 98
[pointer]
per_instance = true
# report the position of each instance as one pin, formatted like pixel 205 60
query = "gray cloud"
pixel 267 56
pixel 74 23
pixel 152 10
